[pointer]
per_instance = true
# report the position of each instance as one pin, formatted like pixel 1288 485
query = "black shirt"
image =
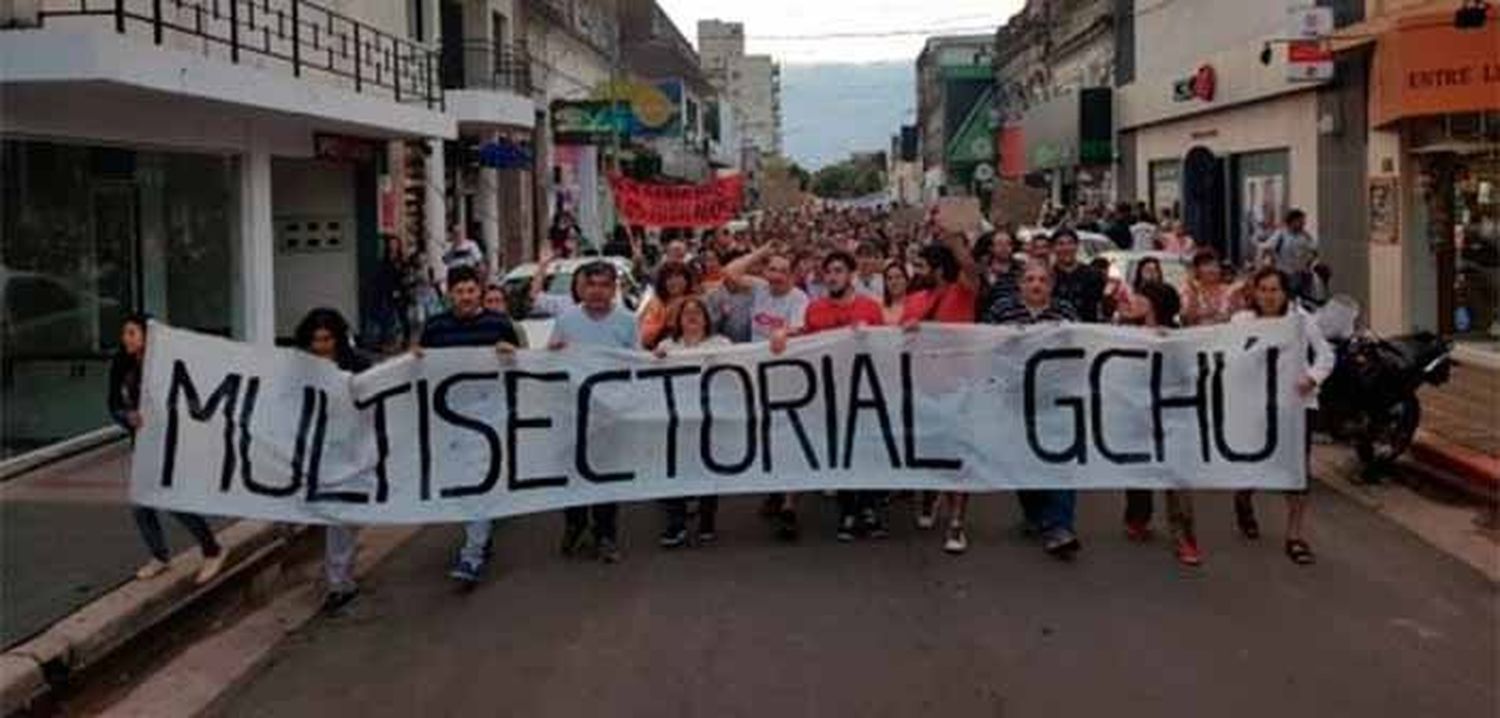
pixel 1081 288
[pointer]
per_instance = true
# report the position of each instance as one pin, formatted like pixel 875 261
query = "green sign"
pixel 589 122
pixel 975 139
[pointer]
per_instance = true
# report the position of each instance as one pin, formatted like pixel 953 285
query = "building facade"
pixel 955 117
pixel 750 83
pixel 155 162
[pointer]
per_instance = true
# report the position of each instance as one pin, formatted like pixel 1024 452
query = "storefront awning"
pixel 1426 66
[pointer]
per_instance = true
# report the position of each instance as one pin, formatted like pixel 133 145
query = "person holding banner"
pixel 1271 296
pixel 1049 513
pixel 952 279
pixel 124 402
pixel 897 282
pixel 595 321
pixel 691 329
pixel 777 310
pixel 846 307
pixel 324 333
pixel 468 324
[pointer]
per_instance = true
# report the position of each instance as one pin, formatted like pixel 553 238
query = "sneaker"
pixel 152 569
pixel 1188 553
pixel 572 541
pixel 872 525
pixel 786 525
pixel 1061 544
pixel 926 512
pixel 846 529
pixel 609 552
pixel 212 565
pixel 1138 531
pixel 336 600
pixel 673 538
pixel 957 541
pixel 466 571
pixel 707 537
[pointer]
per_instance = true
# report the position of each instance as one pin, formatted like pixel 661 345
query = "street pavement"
pixel 1383 625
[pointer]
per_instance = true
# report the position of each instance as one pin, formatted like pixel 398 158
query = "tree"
pixel 854 177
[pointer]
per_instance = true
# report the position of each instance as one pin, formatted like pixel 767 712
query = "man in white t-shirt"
pixel 778 307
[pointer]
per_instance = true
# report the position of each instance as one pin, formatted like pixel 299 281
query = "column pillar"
pixel 436 210
pixel 257 283
pixel 488 209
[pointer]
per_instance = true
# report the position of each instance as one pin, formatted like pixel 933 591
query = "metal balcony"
pixel 298 36
pixel 485 65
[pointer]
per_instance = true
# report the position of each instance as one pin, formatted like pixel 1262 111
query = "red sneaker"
pixel 1138 532
pixel 1188 553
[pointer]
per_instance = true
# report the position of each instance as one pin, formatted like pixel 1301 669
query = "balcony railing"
pixel 303 37
pixel 485 65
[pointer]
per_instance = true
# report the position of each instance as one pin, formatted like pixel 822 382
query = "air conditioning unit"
pixel 20 13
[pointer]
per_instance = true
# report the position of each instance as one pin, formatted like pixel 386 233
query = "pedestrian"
pixel 674 281
pixel 1039 248
pixel 597 320
pixel 691 329
pixel 462 252
pixel 870 280
pixel 897 282
pixel 1153 305
pixel 468 324
pixel 1272 297
pixel 1143 233
pixel 324 333
pixel 1049 513
pixel 1076 284
pixel 844 306
pixel 1292 250
pixel 952 294
pixel 390 297
pixel 124 401
pixel 1207 298
pixel 778 309
pixel 731 304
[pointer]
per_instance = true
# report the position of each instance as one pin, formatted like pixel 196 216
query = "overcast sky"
pixel 770 24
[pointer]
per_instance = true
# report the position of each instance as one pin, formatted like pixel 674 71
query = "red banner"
pixel 711 204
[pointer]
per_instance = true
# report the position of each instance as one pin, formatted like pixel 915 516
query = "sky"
pixel 781 28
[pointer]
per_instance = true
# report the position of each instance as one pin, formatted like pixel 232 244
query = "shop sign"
pixel 588 122
pixel 343 148
pixel 1427 67
pixel 1309 56
pixel 1200 86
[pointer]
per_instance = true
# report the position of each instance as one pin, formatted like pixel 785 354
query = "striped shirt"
pixel 1019 313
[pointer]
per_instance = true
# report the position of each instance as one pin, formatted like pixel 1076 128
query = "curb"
pixel 30 670
pixel 1463 468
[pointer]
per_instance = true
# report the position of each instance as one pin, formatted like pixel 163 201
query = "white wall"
pixel 304 280
pixel 1174 38
pixel 1287 122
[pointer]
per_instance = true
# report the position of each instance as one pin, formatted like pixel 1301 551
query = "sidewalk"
pixel 67 538
pixel 1460 432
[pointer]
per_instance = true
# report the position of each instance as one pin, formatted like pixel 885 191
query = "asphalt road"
pixel 1383 625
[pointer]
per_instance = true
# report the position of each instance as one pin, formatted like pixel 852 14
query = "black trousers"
pixel 677 510
pixel 605 519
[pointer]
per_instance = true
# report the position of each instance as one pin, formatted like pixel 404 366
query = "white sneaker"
pixel 151 570
pixel 958 540
pixel 926 521
pixel 211 568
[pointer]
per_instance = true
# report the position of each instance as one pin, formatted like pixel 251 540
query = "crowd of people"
pixel 801 272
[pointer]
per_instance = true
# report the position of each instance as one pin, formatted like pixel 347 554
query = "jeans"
pixel 339 545
pixel 1048 510
pixel 604 515
pixel 476 548
pixel 149 523
pixel 708 512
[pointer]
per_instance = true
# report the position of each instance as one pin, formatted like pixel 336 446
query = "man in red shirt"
pixel 843 307
pixel 952 298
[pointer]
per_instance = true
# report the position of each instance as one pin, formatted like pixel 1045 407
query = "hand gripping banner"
pixel 711 204
pixel 458 434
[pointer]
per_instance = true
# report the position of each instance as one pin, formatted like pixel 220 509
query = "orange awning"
pixel 1426 66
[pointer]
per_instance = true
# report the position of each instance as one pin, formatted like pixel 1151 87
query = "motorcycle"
pixel 1370 399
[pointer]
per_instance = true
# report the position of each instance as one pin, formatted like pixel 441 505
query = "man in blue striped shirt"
pixel 468 324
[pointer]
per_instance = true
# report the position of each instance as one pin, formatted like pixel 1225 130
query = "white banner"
pixel 458 434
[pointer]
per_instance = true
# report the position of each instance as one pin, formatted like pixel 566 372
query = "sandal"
pixel 1299 552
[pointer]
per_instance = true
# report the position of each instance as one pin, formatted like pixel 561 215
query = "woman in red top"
pixel 953 281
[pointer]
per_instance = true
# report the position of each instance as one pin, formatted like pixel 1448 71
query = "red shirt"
pixel 956 304
pixel 825 313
